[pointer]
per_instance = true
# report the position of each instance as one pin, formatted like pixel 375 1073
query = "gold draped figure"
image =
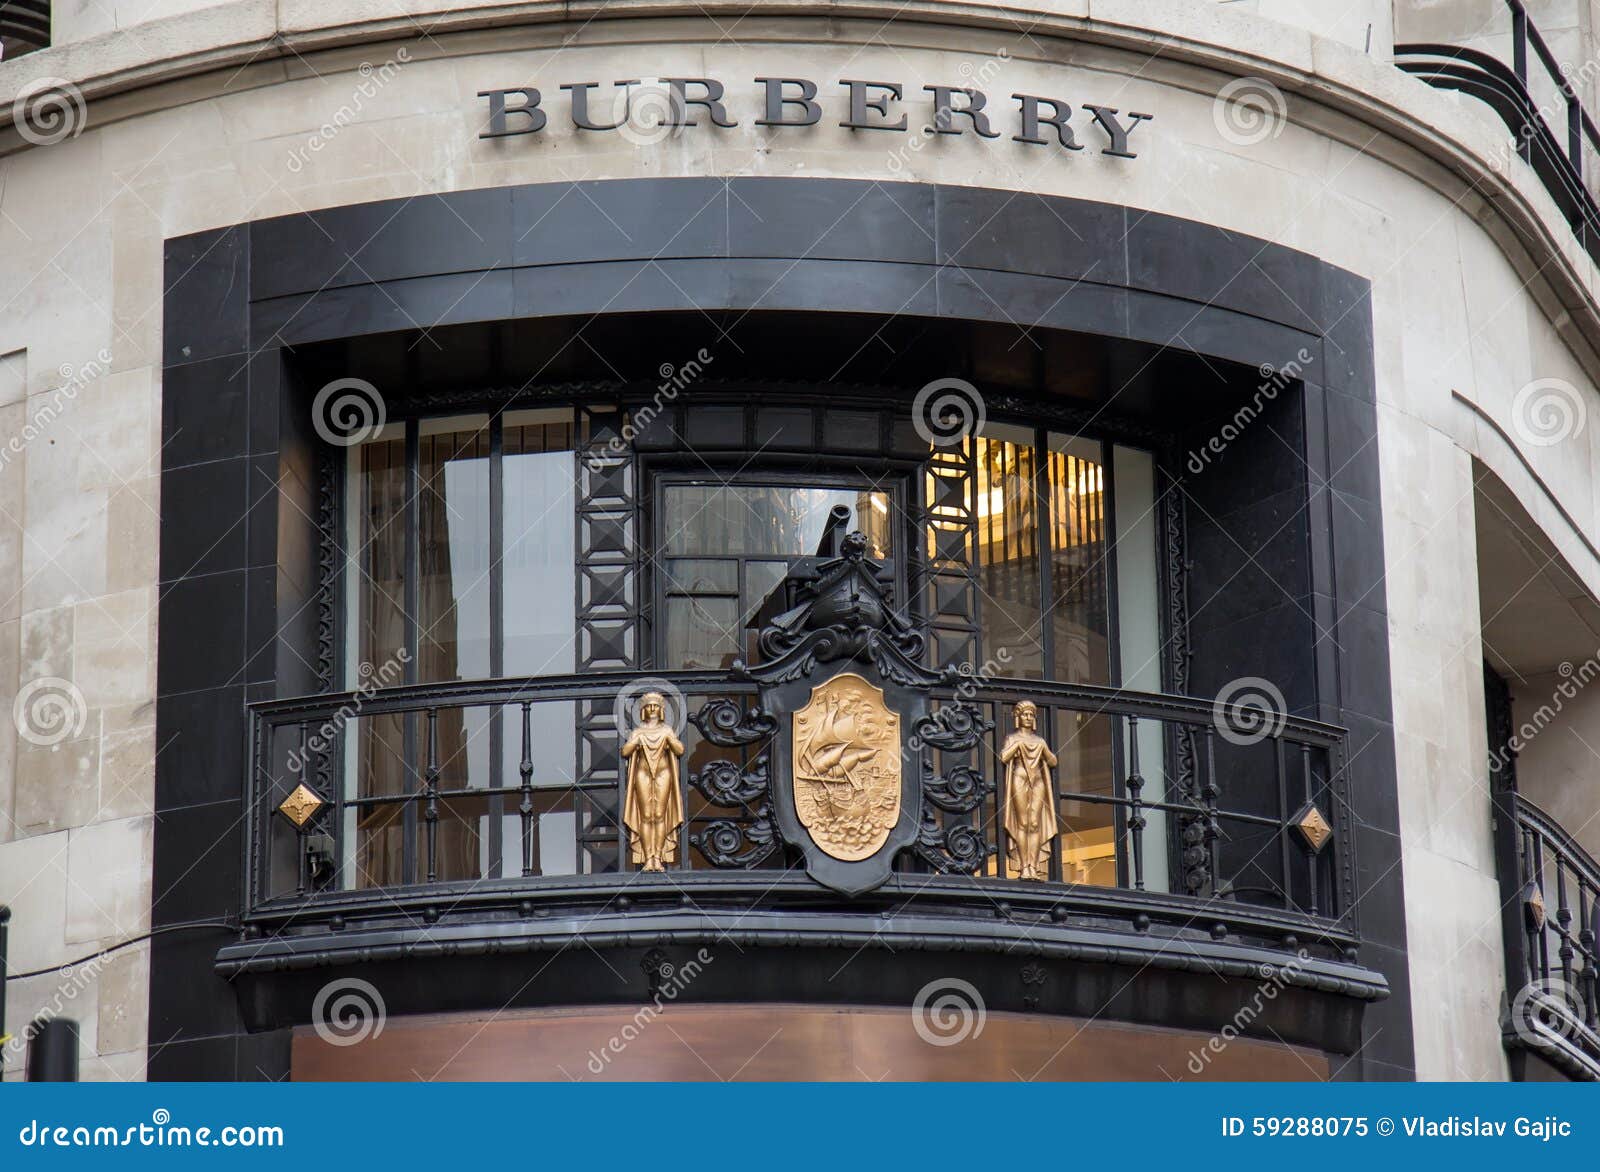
pixel 1030 800
pixel 653 810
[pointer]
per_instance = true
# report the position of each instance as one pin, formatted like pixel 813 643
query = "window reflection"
pixel 1041 523
pixel 433 509
pixel 726 548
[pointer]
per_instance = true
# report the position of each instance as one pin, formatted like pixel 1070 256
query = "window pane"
pixel 380 541
pixel 380 767
pixel 453 552
pixel 1078 613
pixel 727 547
pixel 767 520
pixel 703 632
pixel 539 603
pixel 1088 836
pixel 1009 586
pixel 1139 634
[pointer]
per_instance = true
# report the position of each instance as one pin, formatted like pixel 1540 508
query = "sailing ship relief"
pixel 847 767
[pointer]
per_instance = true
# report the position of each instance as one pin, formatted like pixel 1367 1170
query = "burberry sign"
pixel 670 105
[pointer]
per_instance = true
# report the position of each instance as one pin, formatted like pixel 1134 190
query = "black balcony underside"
pixel 909 913
pixel 1117 955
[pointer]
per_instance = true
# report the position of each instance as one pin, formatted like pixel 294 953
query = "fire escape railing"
pixel 1554 141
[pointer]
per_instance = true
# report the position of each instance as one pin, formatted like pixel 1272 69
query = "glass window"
pixel 1041 554
pixel 726 547
pixel 462 568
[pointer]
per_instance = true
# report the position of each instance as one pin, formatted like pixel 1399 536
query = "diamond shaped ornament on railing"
pixel 1313 827
pixel 301 806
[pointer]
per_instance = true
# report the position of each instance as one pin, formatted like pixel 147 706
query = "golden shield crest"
pixel 847 767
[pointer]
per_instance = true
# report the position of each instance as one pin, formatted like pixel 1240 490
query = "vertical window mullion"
pixel 413 602
pixel 1119 726
pixel 497 656
pixel 1045 543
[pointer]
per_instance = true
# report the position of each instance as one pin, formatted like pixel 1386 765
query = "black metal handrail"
pixel 1553 938
pixel 1227 819
pixel 1555 150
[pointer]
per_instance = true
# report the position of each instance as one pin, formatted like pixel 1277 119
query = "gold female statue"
pixel 653 810
pixel 1030 802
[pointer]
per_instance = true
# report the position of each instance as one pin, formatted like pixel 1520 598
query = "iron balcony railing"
pixel 1552 938
pixel 468 796
pixel 1554 134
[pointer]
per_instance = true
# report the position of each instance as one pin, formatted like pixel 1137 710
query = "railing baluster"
pixel 1529 929
pixel 526 808
pixel 1564 922
pixel 1586 948
pixel 1136 820
pixel 1519 43
pixel 1311 856
pixel 1544 931
pixel 1211 792
pixel 431 792
pixel 303 866
pixel 1285 855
